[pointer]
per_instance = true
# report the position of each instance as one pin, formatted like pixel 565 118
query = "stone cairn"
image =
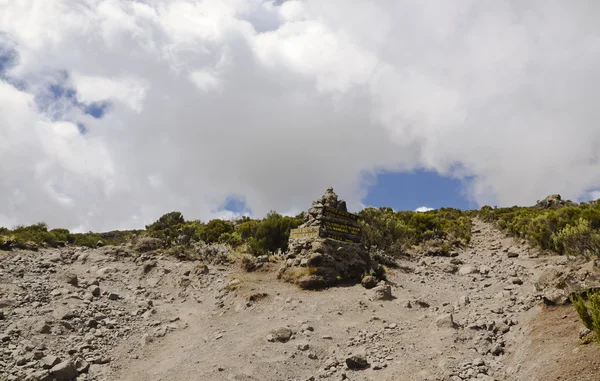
pixel 326 249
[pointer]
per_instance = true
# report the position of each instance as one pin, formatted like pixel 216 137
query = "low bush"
pixel 573 230
pixel 589 311
pixel 394 232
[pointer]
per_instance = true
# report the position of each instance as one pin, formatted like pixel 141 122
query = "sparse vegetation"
pixel 38 235
pixel 571 230
pixel 384 230
pixel 589 311
pixel 394 232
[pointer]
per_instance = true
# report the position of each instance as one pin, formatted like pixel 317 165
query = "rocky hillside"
pixel 479 313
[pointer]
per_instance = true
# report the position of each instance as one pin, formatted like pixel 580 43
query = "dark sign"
pixel 341 236
pixel 329 211
pixel 342 228
pixel 310 232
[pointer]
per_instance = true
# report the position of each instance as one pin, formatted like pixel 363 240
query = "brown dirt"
pixel 550 350
pixel 220 328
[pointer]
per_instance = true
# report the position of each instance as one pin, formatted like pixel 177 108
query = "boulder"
pixel 557 283
pixel 446 321
pixel 382 291
pixel 369 282
pixel 357 362
pixel 146 244
pixel 65 371
pixel 281 335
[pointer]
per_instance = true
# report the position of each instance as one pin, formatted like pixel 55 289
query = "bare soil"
pixel 217 325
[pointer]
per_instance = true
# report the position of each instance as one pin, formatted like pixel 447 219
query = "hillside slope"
pixel 476 315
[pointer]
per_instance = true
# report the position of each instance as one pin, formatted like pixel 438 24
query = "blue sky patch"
pixel 410 190
pixel 235 204
pixel 96 109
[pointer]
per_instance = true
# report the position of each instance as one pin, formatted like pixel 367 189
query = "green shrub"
pixel 580 238
pixel 589 312
pixel 214 229
pixel 394 232
pixel 166 221
pixel 570 230
pixel 270 234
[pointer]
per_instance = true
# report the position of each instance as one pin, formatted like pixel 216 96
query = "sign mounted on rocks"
pixel 328 218
pixel 310 232
pixel 329 211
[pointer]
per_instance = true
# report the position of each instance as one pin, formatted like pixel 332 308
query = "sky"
pixel 114 112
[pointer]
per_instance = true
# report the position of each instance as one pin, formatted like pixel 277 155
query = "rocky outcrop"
pixel 326 249
pixel 316 263
pixel 558 283
pixel 554 201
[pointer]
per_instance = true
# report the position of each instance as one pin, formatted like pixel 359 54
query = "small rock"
pixel 466 270
pixel 497 350
pixel 516 280
pixel 281 335
pixel 446 321
pixel 501 327
pixel 81 365
pixel 357 362
pixel 71 279
pixel 449 268
pixel 382 292
pixel 464 300
pixel 307 327
pixel 49 361
pixel 94 290
pixel 65 371
pixel 369 282
pixel 303 347
pixel 114 296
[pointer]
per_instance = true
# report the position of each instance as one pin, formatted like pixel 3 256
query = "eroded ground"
pixel 133 319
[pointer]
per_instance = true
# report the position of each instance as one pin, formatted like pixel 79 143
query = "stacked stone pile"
pixel 326 249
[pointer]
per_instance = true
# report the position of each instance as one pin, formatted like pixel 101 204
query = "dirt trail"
pixel 473 316
pixel 483 294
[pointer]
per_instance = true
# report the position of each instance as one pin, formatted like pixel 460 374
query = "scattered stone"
pixel 357 362
pixel 497 350
pixel 71 279
pixel 65 371
pixel 281 335
pixel 49 361
pixel 382 292
pixel 466 270
pixel 307 327
pixel 114 296
pixel 446 321
pixel 369 282
pixel 448 268
pixel 94 290
pixel 516 280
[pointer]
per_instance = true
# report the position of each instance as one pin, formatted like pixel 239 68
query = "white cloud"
pixel 594 195
pixel 128 91
pixel 276 103
pixel 205 80
pixel 423 209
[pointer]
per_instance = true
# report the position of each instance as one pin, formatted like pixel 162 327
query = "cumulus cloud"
pixel 275 101
pixel 423 209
